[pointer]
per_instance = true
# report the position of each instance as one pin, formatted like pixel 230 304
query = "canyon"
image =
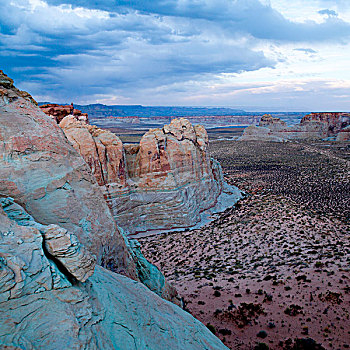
pixel 89 223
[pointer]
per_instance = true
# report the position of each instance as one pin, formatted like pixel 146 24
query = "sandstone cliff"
pixel 165 182
pixel 47 302
pixel 58 112
pixel 332 123
pixel 312 127
pixel 44 174
pixel 268 121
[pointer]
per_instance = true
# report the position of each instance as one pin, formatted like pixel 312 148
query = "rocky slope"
pixel 165 182
pixel 47 302
pixel 45 175
pixel 312 126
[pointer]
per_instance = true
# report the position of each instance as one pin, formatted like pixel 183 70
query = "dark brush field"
pixel 273 272
pixel 314 175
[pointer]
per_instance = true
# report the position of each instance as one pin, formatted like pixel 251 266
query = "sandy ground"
pixel 274 271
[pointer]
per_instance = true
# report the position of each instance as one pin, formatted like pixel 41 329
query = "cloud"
pixel 307 51
pixel 74 51
pixel 340 4
pixel 329 13
pixel 250 16
pixel 84 50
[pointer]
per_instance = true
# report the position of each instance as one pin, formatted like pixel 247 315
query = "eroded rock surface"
pixel 61 245
pixel 165 182
pixel 101 150
pixel 24 268
pixel 333 123
pixel 8 92
pixel 260 133
pixel 42 307
pixel 267 120
pixel 344 134
pixel 44 174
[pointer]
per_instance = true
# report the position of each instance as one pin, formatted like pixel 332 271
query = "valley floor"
pixel 274 269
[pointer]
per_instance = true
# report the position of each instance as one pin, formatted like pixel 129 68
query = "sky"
pixel 254 54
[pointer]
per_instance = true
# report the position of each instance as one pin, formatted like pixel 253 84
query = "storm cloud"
pixel 65 50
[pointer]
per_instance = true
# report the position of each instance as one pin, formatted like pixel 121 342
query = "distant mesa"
pixel 267 120
pixel 332 123
pixel 314 126
pixel 145 117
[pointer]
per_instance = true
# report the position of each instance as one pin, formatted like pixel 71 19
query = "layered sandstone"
pixel 165 182
pixel 333 122
pixel 58 112
pixel 44 174
pixel 29 242
pixel 313 126
pixel 267 120
pixel 43 306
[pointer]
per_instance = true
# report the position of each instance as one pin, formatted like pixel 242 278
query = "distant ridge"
pixel 100 111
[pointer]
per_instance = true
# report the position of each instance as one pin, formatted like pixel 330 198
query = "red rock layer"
pixel 58 112
pixel 334 122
